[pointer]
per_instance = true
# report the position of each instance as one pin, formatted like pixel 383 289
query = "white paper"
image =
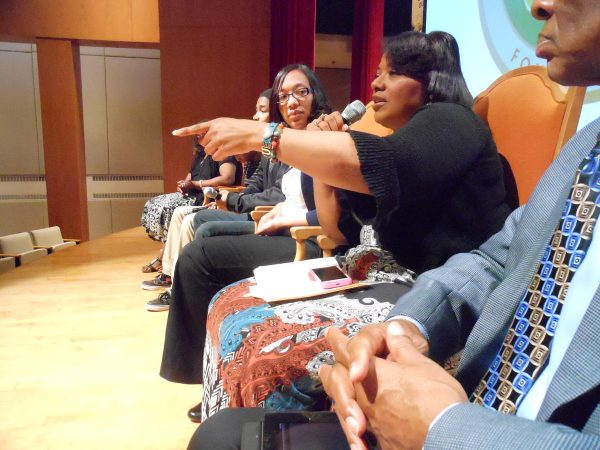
pixel 282 281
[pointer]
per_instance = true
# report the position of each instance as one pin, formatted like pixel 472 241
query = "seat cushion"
pixel 28 257
pixel 47 237
pixel 16 243
pixel 62 246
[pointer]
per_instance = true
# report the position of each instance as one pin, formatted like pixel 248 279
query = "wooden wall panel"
pixel 92 20
pixel 30 214
pixel 214 62
pixel 99 216
pixel 18 143
pixel 133 113
pixel 62 119
pixel 126 213
pixel 93 75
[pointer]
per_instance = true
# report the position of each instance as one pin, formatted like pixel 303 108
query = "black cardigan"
pixel 437 186
pixel 306 183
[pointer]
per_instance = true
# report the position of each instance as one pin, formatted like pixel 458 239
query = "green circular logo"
pixel 511 34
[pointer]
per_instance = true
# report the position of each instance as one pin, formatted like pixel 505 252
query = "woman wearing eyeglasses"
pixel 207 265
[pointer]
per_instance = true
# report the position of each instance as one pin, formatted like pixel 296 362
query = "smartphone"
pixel 330 277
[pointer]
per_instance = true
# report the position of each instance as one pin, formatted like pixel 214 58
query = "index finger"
pixel 199 128
pixel 339 344
pixel 369 342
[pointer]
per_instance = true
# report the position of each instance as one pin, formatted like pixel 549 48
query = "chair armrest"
pixel 266 208
pixel 327 244
pixel 301 234
pixel 258 214
pixel 49 248
pixel 10 255
pixel 77 241
pixel 305 232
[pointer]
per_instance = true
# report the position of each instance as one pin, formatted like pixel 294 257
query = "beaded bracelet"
pixel 271 140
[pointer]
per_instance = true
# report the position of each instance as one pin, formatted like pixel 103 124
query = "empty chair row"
pixel 22 248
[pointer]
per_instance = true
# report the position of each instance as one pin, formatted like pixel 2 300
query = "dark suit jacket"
pixel 471 301
pixel 263 188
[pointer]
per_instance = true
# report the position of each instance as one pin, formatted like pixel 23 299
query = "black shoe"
pixel 161 303
pixel 195 414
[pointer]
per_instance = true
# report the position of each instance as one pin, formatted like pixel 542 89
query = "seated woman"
pixel 435 187
pixel 206 265
pixel 204 172
pixel 181 229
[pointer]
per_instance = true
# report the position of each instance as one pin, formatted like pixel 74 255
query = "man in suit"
pixel 383 382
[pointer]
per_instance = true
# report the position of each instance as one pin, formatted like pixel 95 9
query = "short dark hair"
pixel 320 104
pixel 266 94
pixel 434 60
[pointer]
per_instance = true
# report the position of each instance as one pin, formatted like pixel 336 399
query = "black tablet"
pixel 302 430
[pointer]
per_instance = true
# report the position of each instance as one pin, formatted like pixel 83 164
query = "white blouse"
pixel 294 205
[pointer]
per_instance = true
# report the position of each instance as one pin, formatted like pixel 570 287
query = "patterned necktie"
pixel 526 346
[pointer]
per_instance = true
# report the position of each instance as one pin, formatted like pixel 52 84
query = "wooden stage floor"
pixel 79 354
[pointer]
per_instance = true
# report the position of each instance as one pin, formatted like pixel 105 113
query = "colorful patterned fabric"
pixel 526 347
pixel 258 355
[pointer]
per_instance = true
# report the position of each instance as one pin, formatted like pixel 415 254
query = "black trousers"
pixel 204 267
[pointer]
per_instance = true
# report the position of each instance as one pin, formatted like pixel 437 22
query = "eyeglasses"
pixel 298 94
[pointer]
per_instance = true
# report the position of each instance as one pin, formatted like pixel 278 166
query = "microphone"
pixel 353 112
pixel 211 193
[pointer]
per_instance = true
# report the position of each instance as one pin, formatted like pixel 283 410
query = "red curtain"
pixel 367 41
pixel 293 25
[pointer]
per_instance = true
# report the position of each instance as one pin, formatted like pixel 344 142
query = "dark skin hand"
pixel 184 186
pixel 328 122
pixel 398 397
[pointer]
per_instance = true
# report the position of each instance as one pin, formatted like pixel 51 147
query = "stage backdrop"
pixel 495 36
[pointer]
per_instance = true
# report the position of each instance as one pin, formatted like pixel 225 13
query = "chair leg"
pixel 300 250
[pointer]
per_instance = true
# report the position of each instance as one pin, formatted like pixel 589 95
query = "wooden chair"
pixel 531 118
pixel 20 247
pixel 300 234
pixel 51 239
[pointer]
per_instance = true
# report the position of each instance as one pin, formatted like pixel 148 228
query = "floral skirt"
pixel 258 355
pixel 158 211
